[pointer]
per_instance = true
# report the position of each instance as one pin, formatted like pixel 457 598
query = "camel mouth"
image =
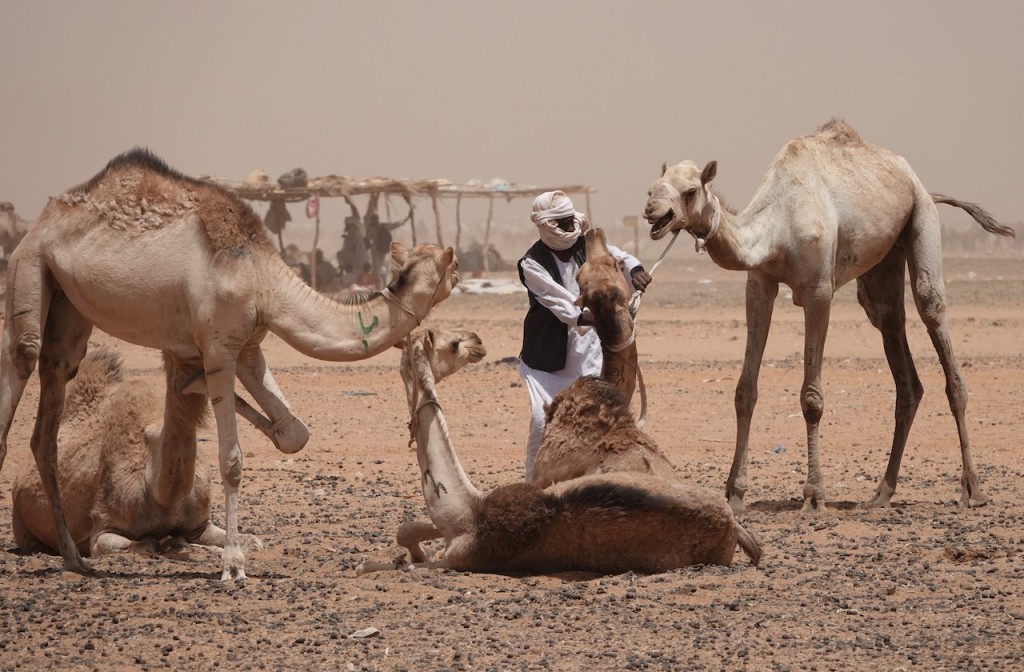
pixel 660 226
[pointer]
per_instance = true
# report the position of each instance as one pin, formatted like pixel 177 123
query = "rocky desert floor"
pixel 922 585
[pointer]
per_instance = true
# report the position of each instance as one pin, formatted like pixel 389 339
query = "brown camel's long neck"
pixel 325 329
pixel 618 346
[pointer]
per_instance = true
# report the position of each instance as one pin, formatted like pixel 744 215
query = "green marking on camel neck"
pixel 367 329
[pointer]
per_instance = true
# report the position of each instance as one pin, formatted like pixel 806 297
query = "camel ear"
pixel 709 172
pixel 448 257
pixel 399 255
pixel 664 168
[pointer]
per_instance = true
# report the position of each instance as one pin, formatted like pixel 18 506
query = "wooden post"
pixel 437 217
pixel 316 242
pixel 458 222
pixel 487 236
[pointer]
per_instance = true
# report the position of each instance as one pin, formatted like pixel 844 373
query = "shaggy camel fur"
pixel 833 208
pixel 127 480
pixel 609 523
pixel 166 261
pixel 589 429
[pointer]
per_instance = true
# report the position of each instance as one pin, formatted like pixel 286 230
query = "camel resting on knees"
pixel 608 523
pixel 128 480
pixel 170 262
pixel 588 427
pixel 832 208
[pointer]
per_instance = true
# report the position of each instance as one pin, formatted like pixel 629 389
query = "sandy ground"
pixel 921 585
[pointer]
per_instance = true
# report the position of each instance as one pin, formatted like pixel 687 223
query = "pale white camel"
pixel 833 208
pixel 128 477
pixel 607 523
pixel 166 261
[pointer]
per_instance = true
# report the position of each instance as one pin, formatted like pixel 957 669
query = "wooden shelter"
pixel 334 186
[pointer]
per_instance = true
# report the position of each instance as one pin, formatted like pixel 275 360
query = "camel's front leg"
pixel 220 378
pixel 817 309
pixel 412 533
pixel 761 295
pixel 287 432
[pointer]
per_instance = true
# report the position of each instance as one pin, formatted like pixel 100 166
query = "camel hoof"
pixel 975 501
pixel 881 499
pixel 250 542
pixel 78 566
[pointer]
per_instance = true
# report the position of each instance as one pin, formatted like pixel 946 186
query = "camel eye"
pixel 689 193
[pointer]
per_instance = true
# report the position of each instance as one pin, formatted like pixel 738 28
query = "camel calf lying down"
pixel 128 483
pixel 607 523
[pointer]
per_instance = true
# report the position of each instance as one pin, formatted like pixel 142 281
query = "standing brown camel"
pixel 162 260
pixel 833 208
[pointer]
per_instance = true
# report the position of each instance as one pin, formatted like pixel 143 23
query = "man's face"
pixel 565 223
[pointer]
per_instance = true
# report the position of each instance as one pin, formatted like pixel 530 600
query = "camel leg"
pixel 26 305
pixel 65 339
pixel 111 542
pixel 817 309
pixel 880 293
pixel 219 365
pixel 924 257
pixel 413 532
pixel 288 432
pixel 760 303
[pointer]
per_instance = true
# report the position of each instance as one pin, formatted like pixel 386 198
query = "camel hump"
pixel 99 370
pixel 839 132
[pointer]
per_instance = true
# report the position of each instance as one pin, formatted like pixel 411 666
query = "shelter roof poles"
pixel 335 186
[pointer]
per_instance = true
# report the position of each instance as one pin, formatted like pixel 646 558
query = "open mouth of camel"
pixel 659 227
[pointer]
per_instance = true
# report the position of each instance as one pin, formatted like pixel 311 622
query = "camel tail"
pixel 980 215
pixel 749 545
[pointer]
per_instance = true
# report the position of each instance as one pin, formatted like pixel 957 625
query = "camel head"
pixel 603 290
pixel 678 198
pixel 445 351
pixel 411 272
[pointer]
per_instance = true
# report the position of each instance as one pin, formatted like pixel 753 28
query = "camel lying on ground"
pixel 127 477
pixel 165 261
pixel 588 427
pixel 833 208
pixel 608 523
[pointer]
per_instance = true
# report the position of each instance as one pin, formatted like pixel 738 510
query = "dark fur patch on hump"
pixel 230 223
pixel 512 517
pixel 611 496
pixel 840 132
pixel 137 157
pixel 594 398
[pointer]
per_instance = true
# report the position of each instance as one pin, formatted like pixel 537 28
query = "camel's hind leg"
pixel 924 257
pixel 880 293
pixel 760 302
pixel 64 343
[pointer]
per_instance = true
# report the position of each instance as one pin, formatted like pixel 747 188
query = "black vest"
pixel 545 337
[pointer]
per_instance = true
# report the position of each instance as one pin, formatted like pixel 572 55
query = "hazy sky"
pixel 534 91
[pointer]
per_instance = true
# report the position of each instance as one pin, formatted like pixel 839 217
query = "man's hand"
pixel 585 319
pixel 641 278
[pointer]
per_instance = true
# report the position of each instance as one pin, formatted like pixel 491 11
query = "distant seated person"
pixel 325 270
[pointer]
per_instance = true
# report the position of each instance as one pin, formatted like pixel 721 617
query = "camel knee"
pixel 812 403
pixel 745 399
pixel 231 468
pixel 26 354
pixel 931 302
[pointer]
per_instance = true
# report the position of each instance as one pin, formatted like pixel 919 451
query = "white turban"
pixel 552 205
